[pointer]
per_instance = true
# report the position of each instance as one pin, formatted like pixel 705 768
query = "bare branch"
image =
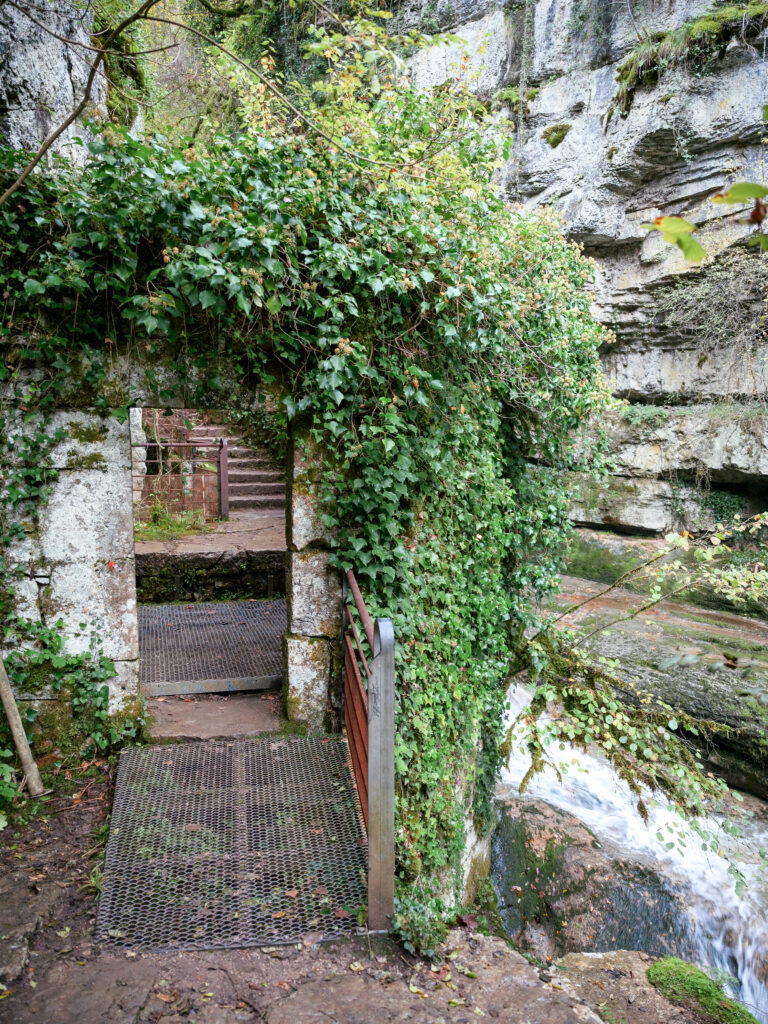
pixel 137 15
pixel 23 9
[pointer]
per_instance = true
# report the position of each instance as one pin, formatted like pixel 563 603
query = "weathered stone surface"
pixel 307 663
pixel 314 595
pixel 698 129
pixel 720 443
pixel 561 890
pixel 89 517
pixel 639 504
pixel 163 576
pixel 42 78
pixel 305 527
pixel 707 664
pixel 615 983
pixel 504 986
pixel 103 596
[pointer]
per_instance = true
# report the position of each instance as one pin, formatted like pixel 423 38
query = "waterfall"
pixel 728 930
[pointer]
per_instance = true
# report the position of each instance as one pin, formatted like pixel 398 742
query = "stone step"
pixel 258 463
pixel 255 476
pixel 267 501
pixel 249 488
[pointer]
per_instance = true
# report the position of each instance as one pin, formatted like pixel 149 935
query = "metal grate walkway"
pixel 231 844
pixel 204 648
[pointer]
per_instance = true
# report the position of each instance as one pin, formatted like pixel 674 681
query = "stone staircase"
pixel 256 484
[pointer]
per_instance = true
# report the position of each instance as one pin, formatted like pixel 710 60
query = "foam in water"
pixel 729 931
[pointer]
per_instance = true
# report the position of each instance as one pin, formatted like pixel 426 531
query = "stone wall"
pixel 78 567
pixel 42 78
pixel 686 338
pixel 312 644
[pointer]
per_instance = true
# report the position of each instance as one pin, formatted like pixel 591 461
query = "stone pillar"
pixel 312 643
pixel 79 566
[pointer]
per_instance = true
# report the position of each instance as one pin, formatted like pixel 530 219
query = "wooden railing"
pixel 369 714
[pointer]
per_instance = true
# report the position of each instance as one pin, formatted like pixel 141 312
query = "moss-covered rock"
pixel 686 985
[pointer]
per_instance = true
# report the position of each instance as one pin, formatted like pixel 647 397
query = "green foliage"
pixel 698 41
pixel 429 339
pixel 724 505
pixel 642 743
pixel 419 922
pixel 160 522
pixel 686 985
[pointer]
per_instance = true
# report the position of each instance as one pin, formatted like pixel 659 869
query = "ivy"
pixel 438 346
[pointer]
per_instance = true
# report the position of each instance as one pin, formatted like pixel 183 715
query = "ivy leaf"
pixel 120 414
pixel 690 248
pixel 741 192
pixel 33 287
pixel 274 304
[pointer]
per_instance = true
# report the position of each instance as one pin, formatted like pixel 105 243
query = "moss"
pixel 702 39
pixel 75 460
pixel 686 985
pixel 613 150
pixel 510 97
pixel 555 134
pixel 87 434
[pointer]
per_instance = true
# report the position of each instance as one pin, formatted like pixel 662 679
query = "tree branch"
pixel 137 15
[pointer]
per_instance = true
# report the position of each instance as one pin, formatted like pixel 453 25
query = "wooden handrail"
pixel 369 715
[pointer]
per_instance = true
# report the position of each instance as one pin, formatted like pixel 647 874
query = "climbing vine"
pixel 438 346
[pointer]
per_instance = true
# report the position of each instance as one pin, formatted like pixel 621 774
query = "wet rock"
pixel 711 665
pixel 560 890
pixel 170 576
pixel 615 985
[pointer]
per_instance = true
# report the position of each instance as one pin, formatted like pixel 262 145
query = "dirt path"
pixel 54 973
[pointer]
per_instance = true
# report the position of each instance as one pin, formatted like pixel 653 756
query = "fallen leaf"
pixel 193 827
pixel 311 938
pixel 356 966
pixel 64 932
pixel 293 893
pixel 342 913
pixel 280 913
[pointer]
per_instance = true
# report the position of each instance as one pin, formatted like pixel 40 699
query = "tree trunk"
pixel 34 783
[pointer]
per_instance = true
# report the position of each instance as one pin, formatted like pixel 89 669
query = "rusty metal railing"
pixel 369 714
pixel 183 475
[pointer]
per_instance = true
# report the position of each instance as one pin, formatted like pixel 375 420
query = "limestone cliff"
pixel 42 77
pixel 686 338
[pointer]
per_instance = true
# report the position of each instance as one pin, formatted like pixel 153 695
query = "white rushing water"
pixel 730 931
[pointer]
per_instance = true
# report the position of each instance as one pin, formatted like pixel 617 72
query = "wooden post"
pixel 381 778
pixel 34 782
pixel 224 479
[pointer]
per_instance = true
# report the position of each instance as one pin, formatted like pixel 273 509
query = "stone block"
pixel 102 598
pixel 91 442
pixel 634 504
pixel 124 685
pixel 307 663
pixel 89 517
pixel 314 594
pixel 304 523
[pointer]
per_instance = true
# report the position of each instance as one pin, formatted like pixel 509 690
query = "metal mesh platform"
pixel 224 845
pixel 202 648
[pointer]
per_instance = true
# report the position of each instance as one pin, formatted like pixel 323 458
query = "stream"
pixel 728 931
